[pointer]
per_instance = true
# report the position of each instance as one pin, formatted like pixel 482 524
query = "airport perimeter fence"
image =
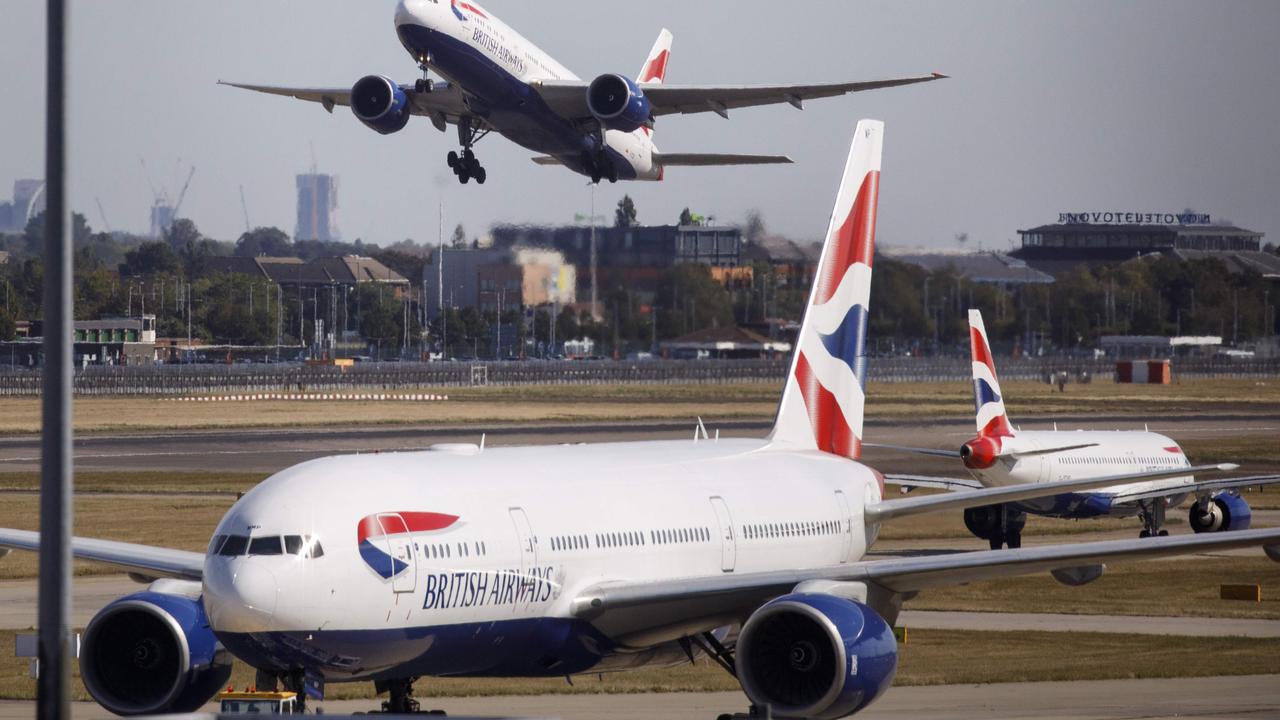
pixel 188 380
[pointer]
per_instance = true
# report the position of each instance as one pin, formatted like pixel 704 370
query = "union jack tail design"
pixel 655 67
pixel 822 404
pixel 988 402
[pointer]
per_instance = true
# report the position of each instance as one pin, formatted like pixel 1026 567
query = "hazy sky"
pixel 1142 106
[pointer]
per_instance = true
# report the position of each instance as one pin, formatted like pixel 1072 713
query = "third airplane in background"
pixel 499 81
pixel 1002 455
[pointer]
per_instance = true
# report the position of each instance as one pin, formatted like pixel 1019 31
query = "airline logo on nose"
pixel 385 540
pixel 455 5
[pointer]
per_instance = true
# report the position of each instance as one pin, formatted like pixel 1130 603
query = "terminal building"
pixel 1101 238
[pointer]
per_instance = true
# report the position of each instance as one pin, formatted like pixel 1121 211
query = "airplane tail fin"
pixel 655 67
pixel 988 402
pixel 822 402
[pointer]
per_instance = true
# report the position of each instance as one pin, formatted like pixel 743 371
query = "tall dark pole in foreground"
pixel 55 465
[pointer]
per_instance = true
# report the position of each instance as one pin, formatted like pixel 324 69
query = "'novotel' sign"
pixel 1133 218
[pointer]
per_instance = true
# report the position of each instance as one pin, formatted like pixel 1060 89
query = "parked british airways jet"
pixel 557 560
pixel 1000 455
pixel 497 81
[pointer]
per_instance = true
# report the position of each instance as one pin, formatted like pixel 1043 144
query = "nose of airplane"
pixel 240 595
pixel 412 12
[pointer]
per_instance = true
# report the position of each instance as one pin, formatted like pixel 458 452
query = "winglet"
pixel 822 403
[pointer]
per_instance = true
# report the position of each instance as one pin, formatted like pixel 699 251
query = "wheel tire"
pixel 595 178
pixel 1144 534
pixel 1014 540
pixel 996 542
pixel 470 156
pixel 1164 533
pixel 481 175
pixel 464 177
pixel 452 159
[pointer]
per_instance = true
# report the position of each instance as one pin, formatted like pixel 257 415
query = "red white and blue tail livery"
pixel 823 402
pixel 988 401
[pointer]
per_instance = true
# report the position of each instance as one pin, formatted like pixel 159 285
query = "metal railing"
pixel 169 380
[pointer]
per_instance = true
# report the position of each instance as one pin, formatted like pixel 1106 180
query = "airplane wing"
pixel 889 509
pixel 622 609
pixel 714 159
pixel 1198 486
pixel 142 559
pixel 934 482
pixel 569 99
pixel 444 104
pixel 955 453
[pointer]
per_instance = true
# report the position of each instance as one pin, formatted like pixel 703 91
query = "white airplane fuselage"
pixel 471 47
pixel 506 538
pixel 1112 453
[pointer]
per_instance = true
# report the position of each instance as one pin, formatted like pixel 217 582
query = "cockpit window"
pixel 292 544
pixel 216 544
pixel 265 545
pixel 234 545
pixel 313 549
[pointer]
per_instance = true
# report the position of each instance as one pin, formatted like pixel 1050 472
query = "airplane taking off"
pixel 556 560
pixel 497 81
pixel 999 456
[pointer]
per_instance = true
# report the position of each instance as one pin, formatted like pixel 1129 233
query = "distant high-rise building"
pixel 317 201
pixel 28 201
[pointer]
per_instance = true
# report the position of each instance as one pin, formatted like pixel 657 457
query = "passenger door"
pixel 728 541
pixel 528 556
pixel 400 547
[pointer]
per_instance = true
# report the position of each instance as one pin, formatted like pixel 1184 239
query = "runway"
pixel 270 450
pixel 1243 697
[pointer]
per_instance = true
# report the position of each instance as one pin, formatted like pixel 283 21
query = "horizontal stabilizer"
pixel 714 159
pixel 890 509
pixel 919 451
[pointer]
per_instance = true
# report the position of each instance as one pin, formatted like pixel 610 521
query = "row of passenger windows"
pixel 791 529
pixel 235 545
pixel 632 538
pixel 445 550
pixel 1122 460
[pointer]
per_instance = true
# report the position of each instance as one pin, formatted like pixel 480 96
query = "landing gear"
pixel 999 525
pixel 1151 512
pixel 599 167
pixel 424 84
pixel 466 166
pixel 400 698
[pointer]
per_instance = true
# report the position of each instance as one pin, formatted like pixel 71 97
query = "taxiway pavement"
pixel 1246 697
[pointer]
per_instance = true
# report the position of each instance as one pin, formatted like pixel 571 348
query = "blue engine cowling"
pixel 380 103
pixel 151 653
pixel 1225 513
pixel 619 103
pixel 815 655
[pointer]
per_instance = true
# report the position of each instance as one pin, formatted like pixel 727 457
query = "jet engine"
pixel 152 653
pixel 380 104
pixel 980 453
pixel 1223 513
pixel 618 103
pixel 815 655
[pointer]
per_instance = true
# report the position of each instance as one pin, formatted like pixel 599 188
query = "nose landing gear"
pixel 424 84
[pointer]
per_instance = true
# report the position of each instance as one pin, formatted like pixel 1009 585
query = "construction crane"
pixel 183 195
pixel 106 225
pixel 245 207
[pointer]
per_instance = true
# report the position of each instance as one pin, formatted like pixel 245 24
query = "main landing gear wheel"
pixel 466 166
pixel 1151 512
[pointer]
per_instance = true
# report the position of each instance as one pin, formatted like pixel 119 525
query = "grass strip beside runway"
pixel 617 403
pixel 931 657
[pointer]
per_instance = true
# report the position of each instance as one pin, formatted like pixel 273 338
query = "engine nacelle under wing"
pixel 1225 513
pixel 152 653
pixel 618 103
pixel 380 104
pixel 815 655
